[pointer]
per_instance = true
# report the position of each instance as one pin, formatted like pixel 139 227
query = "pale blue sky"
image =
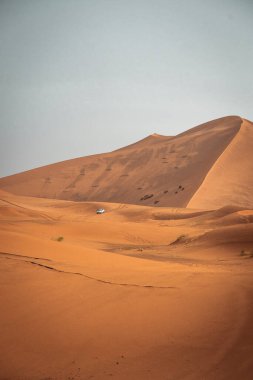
pixel 84 77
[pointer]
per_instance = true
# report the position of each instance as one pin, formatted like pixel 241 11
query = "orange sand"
pixel 208 166
pixel 140 292
pixel 122 296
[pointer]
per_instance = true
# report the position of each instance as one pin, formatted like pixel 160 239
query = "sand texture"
pixel 205 167
pixel 136 293
pixel 140 292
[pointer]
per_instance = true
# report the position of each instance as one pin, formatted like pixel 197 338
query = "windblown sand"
pixel 136 293
pixel 208 166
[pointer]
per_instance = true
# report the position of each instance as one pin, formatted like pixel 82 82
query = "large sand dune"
pixel 136 293
pixel 139 292
pixel 208 166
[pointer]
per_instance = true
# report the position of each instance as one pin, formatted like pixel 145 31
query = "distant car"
pixel 100 211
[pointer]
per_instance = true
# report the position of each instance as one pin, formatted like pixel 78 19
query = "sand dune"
pixel 139 292
pixel 136 293
pixel 200 168
pixel 230 180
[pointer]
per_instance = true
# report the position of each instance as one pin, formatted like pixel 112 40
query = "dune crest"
pixel 139 292
pixel 230 179
pixel 208 166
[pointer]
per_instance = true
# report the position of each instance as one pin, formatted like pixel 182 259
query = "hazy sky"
pixel 84 77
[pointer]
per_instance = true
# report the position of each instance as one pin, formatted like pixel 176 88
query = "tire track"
pixel 37 213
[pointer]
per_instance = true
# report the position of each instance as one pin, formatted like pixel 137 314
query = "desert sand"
pixel 206 167
pixel 139 292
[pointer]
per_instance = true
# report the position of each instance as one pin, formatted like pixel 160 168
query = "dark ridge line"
pixel 28 257
pixel 89 277
pixel 98 279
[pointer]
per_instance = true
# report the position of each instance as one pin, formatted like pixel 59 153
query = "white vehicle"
pixel 100 211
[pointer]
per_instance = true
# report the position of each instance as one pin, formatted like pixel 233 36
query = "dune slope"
pixel 230 180
pixel 137 293
pixel 200 168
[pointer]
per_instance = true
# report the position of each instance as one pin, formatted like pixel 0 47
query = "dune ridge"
pixel 139 292
pixel 158 171
pixel 229 179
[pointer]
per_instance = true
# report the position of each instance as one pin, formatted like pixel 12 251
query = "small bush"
pixel 60 238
